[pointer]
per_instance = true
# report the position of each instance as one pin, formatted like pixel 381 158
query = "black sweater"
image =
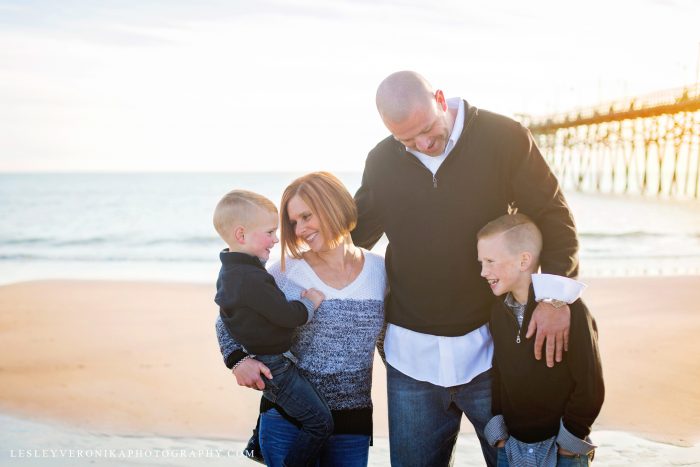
pixel 534 398
pixel 254 310
pixel 431 222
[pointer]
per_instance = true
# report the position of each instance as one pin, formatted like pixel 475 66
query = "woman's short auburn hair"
pixel 329 200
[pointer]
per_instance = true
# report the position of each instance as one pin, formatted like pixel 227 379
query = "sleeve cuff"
pixel 309 307
pixel 556 287
pixel 496 430
pixel 570 442
pixel 234 357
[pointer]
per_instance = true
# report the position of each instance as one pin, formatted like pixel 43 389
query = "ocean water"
pixel 157 226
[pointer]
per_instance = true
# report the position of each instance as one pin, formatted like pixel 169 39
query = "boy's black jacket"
pixel 534 398
pixel 254 310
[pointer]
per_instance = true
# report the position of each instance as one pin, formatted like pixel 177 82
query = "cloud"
pixel 273 85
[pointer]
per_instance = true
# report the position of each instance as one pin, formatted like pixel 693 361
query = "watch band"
pixel 554 302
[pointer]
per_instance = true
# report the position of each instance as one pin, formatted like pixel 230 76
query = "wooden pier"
pixel 648 145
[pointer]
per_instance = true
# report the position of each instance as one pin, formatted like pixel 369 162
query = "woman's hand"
pixel 248 374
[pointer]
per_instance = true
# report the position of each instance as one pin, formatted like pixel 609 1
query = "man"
pixel 447 170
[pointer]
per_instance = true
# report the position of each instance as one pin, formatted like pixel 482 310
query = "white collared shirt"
pixel 443 361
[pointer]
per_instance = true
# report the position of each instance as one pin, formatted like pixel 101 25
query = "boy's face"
pixel 501 268
pixel 261 234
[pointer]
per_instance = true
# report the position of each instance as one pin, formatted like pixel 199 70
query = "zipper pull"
pixel 517 339
pixel 434 181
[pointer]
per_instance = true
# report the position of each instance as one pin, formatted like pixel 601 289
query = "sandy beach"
pixel 141 359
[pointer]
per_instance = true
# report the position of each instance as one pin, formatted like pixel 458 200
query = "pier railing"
pixel 648 145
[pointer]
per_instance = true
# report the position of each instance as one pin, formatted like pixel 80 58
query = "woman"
pixel 336 349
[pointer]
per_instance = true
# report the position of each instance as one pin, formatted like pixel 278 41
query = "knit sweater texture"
pixel 336 349
pixel 431 221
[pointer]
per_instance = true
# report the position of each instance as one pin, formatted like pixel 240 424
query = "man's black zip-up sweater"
pixel 254 310
pixel 431 222
pixel 533 398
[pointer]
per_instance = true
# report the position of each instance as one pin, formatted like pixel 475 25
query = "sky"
pixel 288 85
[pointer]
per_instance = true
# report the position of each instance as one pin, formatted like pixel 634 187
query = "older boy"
pixel 542 416
pixel 259 317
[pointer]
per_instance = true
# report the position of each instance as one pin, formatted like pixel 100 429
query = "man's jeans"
pixel 424 418
pixel 300 400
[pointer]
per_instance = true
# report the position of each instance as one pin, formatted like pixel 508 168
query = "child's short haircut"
pixel 520 233
pixel 239 207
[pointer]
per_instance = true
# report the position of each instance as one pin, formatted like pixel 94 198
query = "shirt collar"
pixel 512 302
pixel 228 258
pixel 455 102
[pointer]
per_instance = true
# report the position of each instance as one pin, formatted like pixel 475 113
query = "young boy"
pixel 259 317
pixel 542 416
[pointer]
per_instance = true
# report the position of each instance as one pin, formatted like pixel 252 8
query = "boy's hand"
pixel 501 444
pixel 248 374
pixel 315 296
pixel 564 452
pixel 553 325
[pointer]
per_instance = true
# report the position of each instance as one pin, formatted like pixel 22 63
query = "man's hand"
pixel 248 374
pixel 552 324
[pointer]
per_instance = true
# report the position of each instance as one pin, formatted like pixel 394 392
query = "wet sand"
pixel 136 358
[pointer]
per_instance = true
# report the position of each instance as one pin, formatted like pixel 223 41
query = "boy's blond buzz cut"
pixel 520 233
pixel 239 207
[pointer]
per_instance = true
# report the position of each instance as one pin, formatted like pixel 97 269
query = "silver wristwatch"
pixel 554 302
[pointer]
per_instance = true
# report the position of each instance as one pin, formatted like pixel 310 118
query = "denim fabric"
pixel 277 436
pixel 502 458
pixel 424 419
pixel 562 461
pixel 300 400
pixel 573 461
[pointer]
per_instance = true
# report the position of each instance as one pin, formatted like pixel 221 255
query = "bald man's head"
pixel 401 93
pixel 417 116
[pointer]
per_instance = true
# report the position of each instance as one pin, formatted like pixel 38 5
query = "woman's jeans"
pixel 300 400
pixel 277 437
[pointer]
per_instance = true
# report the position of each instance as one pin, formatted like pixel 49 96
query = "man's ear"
pixel 440 99
pixel 239 234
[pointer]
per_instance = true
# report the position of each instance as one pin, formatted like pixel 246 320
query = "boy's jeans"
pixel 562 461
pixel 300 400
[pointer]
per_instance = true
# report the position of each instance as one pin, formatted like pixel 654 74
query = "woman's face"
pixel 305 223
